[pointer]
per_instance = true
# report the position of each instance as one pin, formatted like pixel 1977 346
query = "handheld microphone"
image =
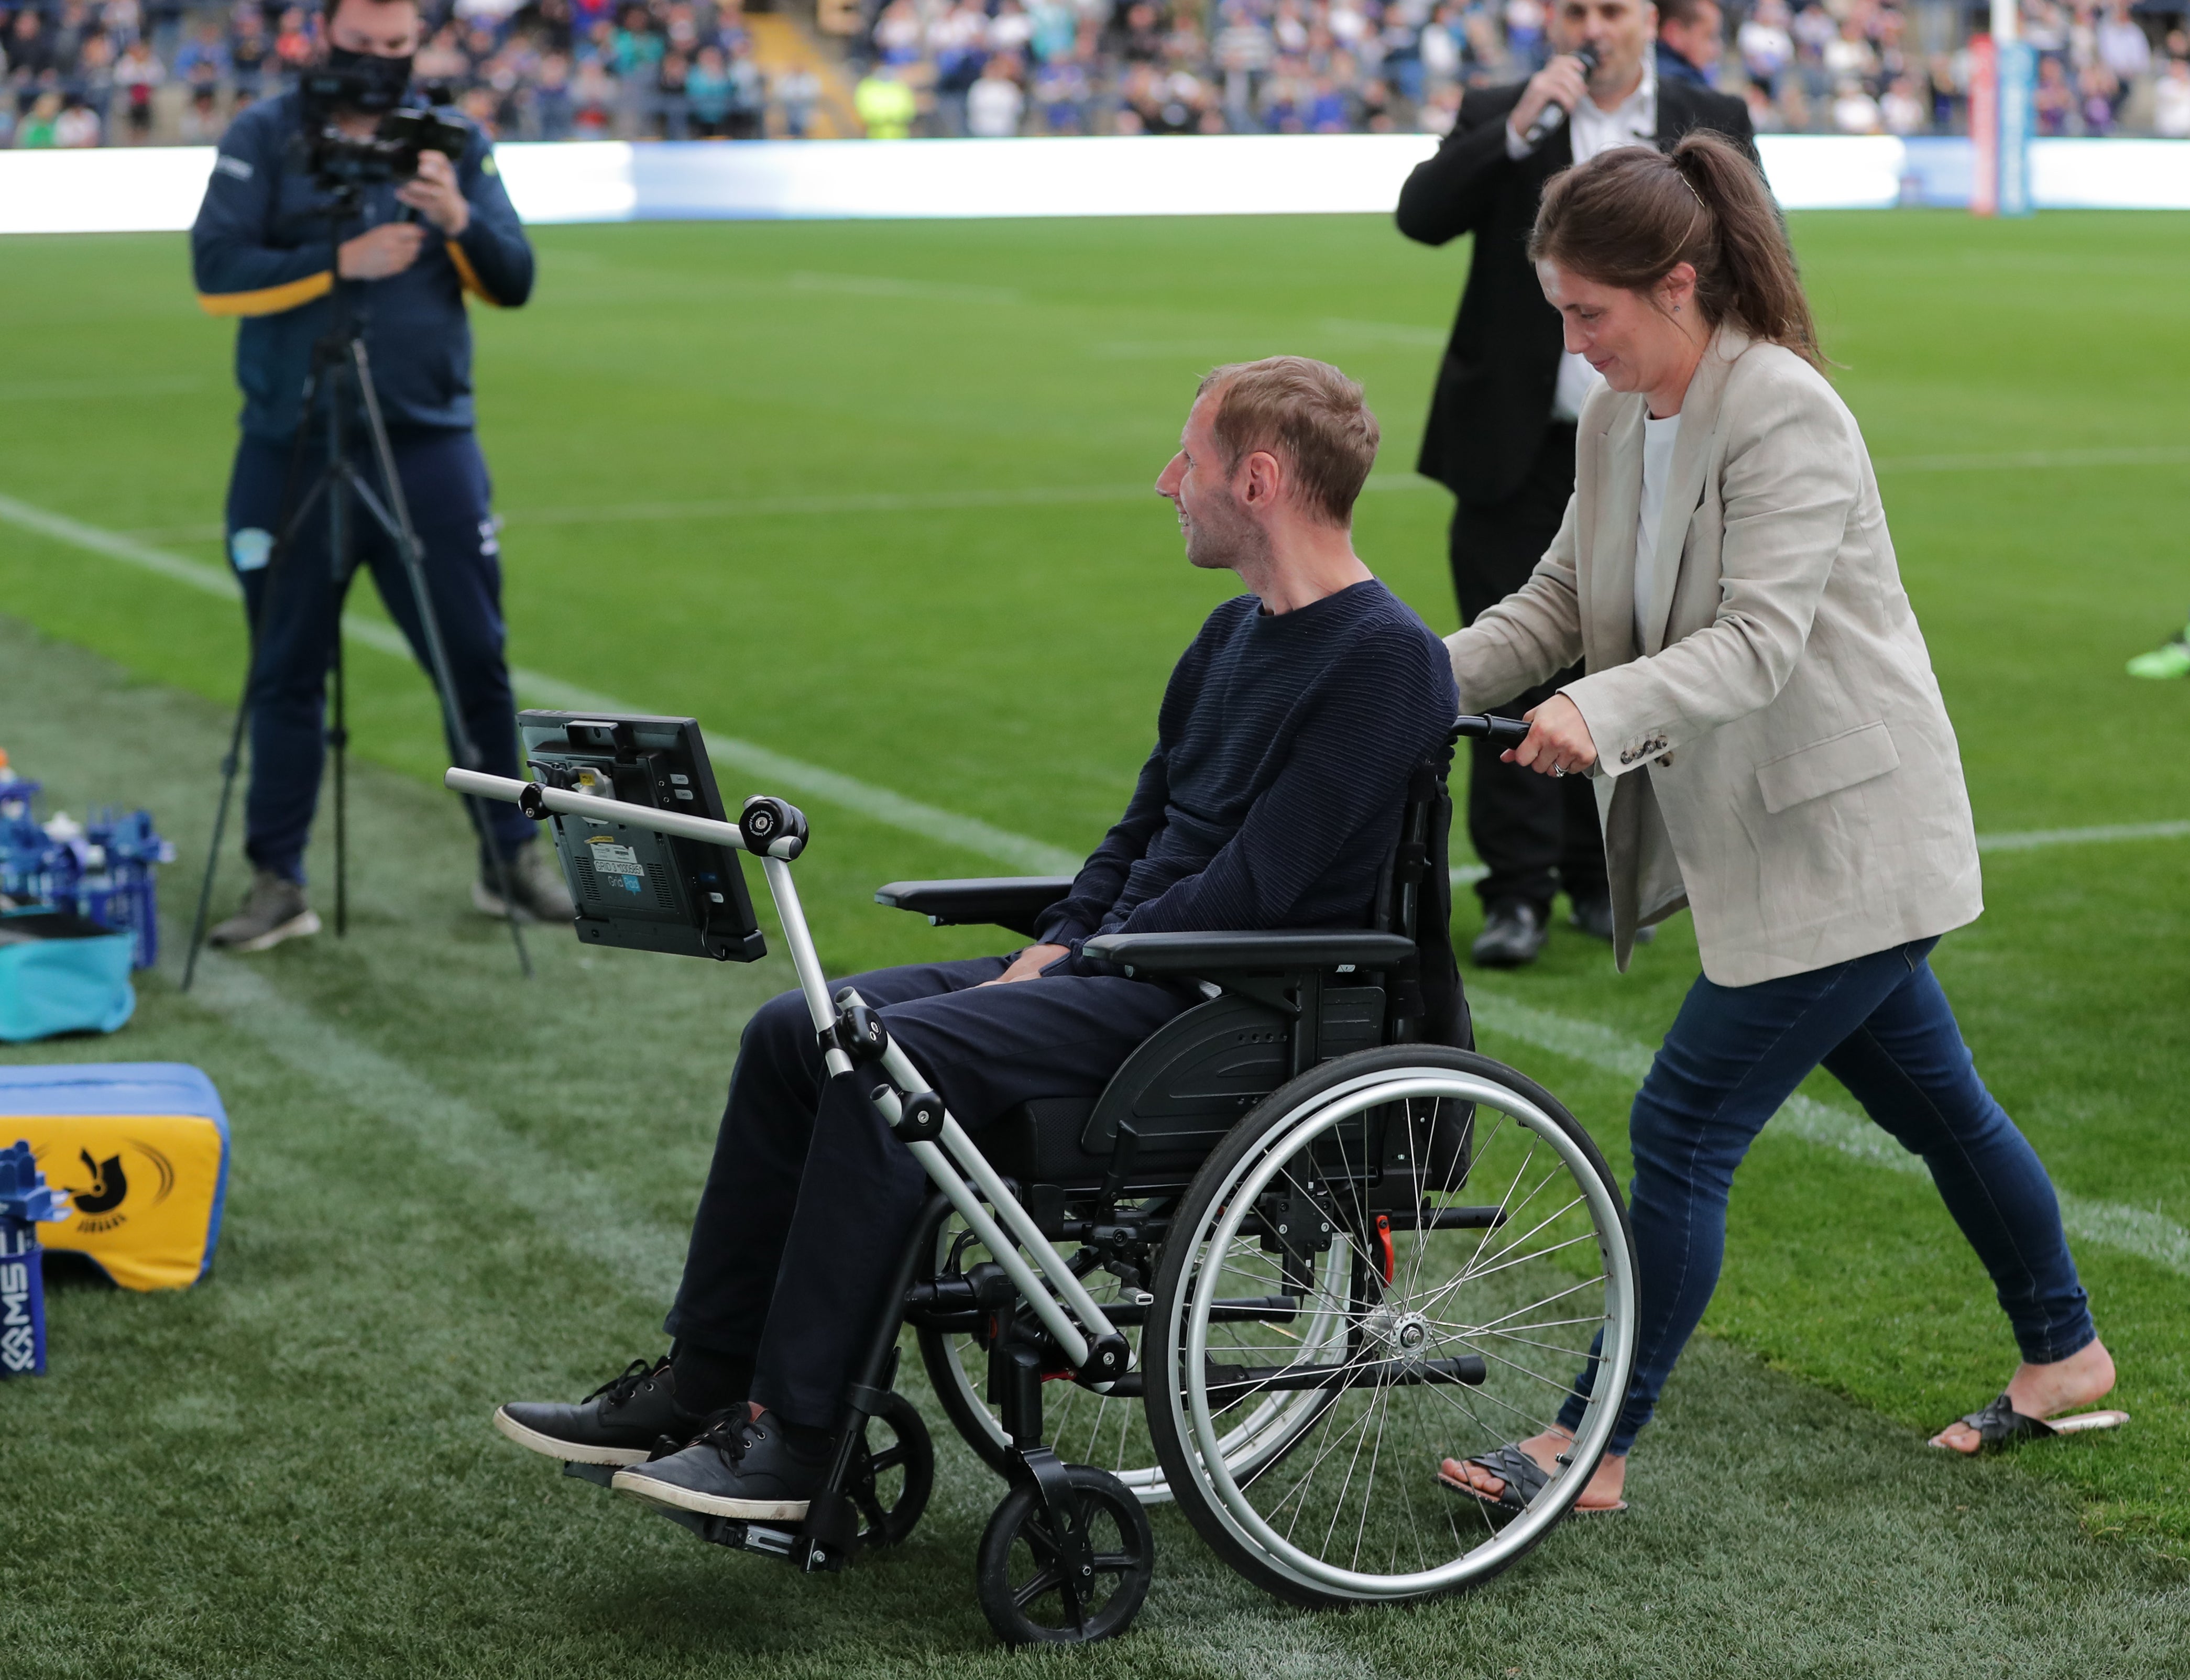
pixel 1552 116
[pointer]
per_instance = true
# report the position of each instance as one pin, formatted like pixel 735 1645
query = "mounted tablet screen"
pixel 634 887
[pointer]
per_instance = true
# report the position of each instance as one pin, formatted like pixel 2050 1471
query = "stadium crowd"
pixel 109 73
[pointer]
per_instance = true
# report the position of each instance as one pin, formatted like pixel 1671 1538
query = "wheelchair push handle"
pixel 1504 731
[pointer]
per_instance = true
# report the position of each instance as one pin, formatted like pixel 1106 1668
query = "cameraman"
pixel 259 252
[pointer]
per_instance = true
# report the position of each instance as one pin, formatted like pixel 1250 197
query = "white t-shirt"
pixel 1658 438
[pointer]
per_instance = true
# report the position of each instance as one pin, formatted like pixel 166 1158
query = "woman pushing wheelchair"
pixel 1770 749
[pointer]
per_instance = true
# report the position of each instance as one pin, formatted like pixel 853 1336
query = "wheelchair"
pixel 1305 1244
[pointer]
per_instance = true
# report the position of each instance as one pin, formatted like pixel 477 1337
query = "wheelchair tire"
pixel 1457 1340
pixel 890 1484
pixel 1021 1589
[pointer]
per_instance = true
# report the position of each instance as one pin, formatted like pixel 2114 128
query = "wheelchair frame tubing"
pixel 949 1166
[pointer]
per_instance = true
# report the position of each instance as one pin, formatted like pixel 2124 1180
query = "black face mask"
pixel 365 81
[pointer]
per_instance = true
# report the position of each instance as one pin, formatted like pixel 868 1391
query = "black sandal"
pixel 2000 1424
pixel 1522 1479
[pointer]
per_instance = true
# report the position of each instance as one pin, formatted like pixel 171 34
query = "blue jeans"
pixel 1881 1026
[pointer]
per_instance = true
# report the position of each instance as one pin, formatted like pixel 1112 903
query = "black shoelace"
pixel 618 1390
pixel 729 1436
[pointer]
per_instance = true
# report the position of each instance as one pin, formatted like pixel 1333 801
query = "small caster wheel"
pixel 892 1473
pixel 1026 1588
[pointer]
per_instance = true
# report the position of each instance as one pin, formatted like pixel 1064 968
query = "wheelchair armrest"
pixel 1012 901
pixel 1262 953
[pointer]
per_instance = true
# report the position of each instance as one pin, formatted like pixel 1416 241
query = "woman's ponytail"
pixel 1628 217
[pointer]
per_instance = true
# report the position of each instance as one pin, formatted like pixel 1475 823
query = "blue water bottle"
pixel 25 1202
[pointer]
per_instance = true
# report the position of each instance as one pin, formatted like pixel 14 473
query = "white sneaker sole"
pixel 568 1451
pixel 296 927
pixel 653 1490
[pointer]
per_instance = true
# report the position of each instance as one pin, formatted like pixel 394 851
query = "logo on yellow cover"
pixel 100 1205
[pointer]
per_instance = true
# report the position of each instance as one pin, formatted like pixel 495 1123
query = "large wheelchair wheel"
pixel 1463 1322
pixel 1110 1432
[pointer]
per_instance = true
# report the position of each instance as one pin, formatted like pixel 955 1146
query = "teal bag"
pixel 60 973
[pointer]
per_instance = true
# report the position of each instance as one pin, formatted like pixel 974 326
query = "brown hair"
pixel 1305 410
pixel 1683 11
pixel 1628 217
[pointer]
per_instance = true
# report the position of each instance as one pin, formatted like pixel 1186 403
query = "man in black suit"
pixel 1501 427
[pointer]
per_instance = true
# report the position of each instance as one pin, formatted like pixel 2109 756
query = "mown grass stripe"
pixel 581 1209
pixel 2139 1231
pixel 2143 1232
pixel 778 771
pixel 795 775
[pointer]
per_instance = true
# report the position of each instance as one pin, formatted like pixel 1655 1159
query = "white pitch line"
pixel 1067 495
pixel 2135 1230
pixel 795 774
pixel 2144 1232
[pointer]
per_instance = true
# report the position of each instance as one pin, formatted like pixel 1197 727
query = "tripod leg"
pixel 228 769
pixel 401 530
pixel 338 738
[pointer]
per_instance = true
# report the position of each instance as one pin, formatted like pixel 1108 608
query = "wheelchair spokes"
pixel 1450 1330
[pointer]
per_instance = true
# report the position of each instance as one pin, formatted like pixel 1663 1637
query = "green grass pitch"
pixel 876 496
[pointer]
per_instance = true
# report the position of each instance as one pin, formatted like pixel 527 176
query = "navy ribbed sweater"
pixel 1281 759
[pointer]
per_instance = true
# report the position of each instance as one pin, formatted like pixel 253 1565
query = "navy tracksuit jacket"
pixel 258 253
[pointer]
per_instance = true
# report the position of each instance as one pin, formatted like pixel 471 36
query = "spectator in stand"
pixel 250 51
pixel 554 112
pixel 884 103
pixel 1766 47
pixel 707 93
pixel 1063 89
pixel 958 39
pixel 672 110
pixel 94 86
pixel 1902 110
pixel 798 91
pixel 76 126
pixel 1691 42
pixel 202 65
pixel 2170 101
pixel 292 41
pixel 138 76
pixel 748 89
pixel 2055 101
pixel 36 131
pixel 995 103
pixel 1854 110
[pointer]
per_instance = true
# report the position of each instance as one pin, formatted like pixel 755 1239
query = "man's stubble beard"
pixel 1223 538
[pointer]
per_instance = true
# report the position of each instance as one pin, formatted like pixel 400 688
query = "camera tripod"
pixel 342 368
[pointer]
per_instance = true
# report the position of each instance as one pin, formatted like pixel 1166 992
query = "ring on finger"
pixel 1558 770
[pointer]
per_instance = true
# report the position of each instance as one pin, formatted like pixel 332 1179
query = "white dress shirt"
pixel 1633 121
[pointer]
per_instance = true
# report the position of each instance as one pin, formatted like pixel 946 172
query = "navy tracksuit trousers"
pixel 811 1198
pixel 297 608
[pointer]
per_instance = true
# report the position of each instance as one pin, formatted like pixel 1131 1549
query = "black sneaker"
pixel 1513 932
pixel 620 1422
pixel 742 1467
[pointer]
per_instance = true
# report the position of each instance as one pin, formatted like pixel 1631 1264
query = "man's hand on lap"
pixel 1029 964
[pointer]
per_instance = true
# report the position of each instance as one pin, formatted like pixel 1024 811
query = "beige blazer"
pixel 1776 755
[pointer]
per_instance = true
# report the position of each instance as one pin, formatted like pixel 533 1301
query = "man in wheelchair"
pixel 1284 742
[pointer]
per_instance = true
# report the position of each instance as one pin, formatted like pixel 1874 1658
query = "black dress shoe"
pixel 620 1422
pixel 742 1467
pixel 1593 917
pixel 1513 932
